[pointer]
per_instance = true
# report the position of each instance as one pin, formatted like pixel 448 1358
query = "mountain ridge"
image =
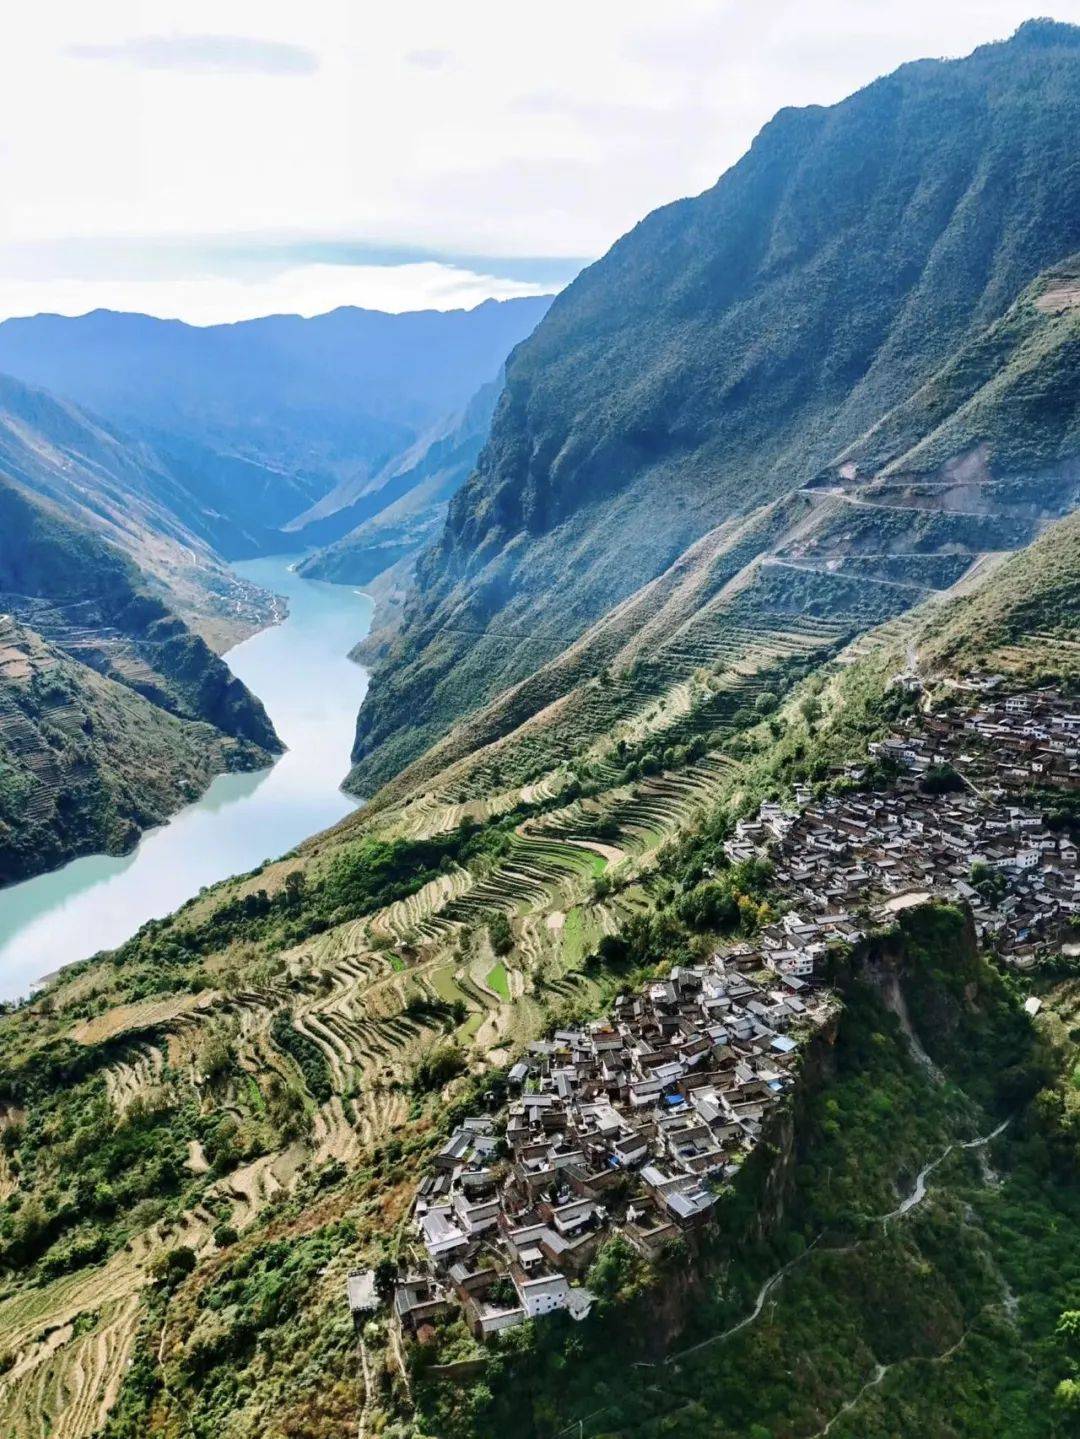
pixel 725 351
pixel 281 394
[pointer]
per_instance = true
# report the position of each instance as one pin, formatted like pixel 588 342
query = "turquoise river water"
pixel 301 671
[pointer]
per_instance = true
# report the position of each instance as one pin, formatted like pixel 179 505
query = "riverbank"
pixel 301 670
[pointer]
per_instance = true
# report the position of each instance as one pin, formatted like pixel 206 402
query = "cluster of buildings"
pixel 632 1124
pixel 627 1125
pixel 953 825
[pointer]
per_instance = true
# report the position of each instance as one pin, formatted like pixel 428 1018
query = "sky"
pixel 219 159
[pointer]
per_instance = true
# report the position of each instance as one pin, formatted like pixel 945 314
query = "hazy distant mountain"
pixel 728 349
pixel 404 507
pixel 263 417
pixel 124 490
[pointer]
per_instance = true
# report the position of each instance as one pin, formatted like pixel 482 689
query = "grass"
pixel 496 979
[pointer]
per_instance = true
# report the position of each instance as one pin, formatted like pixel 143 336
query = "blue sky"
pixel 224 158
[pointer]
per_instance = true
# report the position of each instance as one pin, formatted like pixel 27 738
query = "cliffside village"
pixel 630 1124
pixel 620 1125
pixel 906 843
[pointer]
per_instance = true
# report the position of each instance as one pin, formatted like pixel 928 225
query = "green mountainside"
pixel 730 348
pixel 204 1132
pixel 112 711
pixel 87 763
pixel 867 538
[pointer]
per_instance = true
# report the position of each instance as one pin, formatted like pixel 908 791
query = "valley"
pixel 671 1029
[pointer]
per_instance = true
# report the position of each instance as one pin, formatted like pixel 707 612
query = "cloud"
pixel 551 271
pixel 430 59
pixel 214 54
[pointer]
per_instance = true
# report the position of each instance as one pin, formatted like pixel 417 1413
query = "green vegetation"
pixel 496 980
pixel 1030 605
pixel 308 1055
pixel 88 1176
pixel 731 348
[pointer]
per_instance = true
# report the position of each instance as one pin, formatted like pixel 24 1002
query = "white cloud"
pixel 217 54
pixel 424 126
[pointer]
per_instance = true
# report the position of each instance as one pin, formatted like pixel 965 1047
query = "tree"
pixel 386 1273
pixel 169 1266
pixel 810 709
pixel 500 933
pixel 941 779
pixel 438 1068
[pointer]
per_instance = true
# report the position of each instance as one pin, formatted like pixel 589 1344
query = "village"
pixel 624 1125
pixel 633 1123
pixel 951 824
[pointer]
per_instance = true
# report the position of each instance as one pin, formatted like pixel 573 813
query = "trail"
pixel 880 1370
pixel 759 1304
pixel 361 1432
pixel 918 1194
pixel 916 1197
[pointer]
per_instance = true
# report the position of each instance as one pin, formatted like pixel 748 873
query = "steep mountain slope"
pixel 120 488
pixel 207 1131
pixel 1024 619
pixel 87 762
pixel 407 502
pixel 277 410
pixel 727 350
pixel 112 711
pixel 982 457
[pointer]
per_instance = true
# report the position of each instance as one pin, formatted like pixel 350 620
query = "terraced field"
pixel 370 997
pixel 340 1022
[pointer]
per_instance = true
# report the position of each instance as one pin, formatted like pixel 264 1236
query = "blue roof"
pixel 674 1099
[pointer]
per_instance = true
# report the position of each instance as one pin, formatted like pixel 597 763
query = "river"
pixel 312 691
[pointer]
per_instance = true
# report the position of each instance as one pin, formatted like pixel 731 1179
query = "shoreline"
pixel 239 819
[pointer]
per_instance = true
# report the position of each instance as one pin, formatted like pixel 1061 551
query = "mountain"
pixel 693 716
pixel 87 762
pixel 208 1132
pixel 264 417
pixel 1022 620
pixel 730 350
pixel 403 510
pixel 979 461
pixel 112 711
pixel 121 488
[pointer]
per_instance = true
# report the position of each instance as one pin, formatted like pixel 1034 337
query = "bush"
pixel 500 933
pixel 169 1266
pixel 438 1068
